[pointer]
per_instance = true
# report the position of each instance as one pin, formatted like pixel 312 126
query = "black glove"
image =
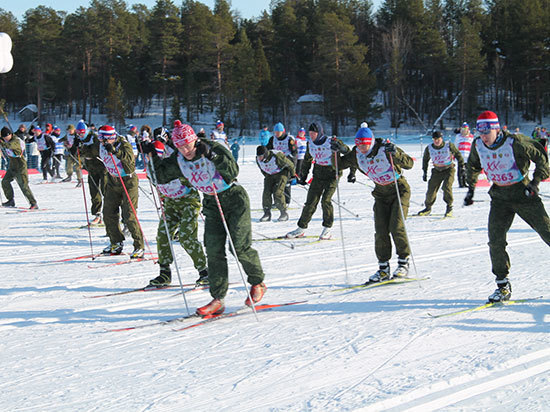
pixel 425 177
pixel 469 199
pixel 390 148
pixel 351 178
pixel 532 189
pixel 202 149
pixel 337 145
pixel 109 147
pixel 302 181
pixel 148 147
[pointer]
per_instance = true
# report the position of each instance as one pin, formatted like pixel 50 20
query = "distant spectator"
pixel 264 136
pixel 235 149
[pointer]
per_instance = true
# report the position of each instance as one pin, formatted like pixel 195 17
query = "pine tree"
pixel 114 107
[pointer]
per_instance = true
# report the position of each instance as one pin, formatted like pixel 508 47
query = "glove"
pixel 425 177
pixel 202 149
pixel 109 147
pixel 148 147
pixel 302 181
pixel 461 176
pixel 532 189
pixel 469 199
pixel 336 145
pixel 390 148
pixel 351 178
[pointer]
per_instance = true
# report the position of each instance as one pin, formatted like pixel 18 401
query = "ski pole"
pixel 340 216
pixel 402 213
pixel 287 244
pixel 232 245
pixel 86 207
pixel 131 203
pixel 338 204
pixel 169 235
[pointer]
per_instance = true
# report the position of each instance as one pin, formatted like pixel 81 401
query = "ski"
pixel 147 288
pixel 90 226
pixel 148 325
pixel 94 256
pixel 485 306
pixel 284 238
pixel 370 285
pixel 241 311
pixel 311 242
pixel 122 262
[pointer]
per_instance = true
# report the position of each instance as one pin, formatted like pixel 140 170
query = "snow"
pixel 373 350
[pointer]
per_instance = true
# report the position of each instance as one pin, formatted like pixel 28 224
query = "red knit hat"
pixel 183 134
pixel 487 121
pixel 107 132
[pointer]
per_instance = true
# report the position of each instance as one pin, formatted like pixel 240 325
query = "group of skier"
pixel 185 165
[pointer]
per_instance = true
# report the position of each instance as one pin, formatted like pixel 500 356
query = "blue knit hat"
pixel 279 127
pixel 81 127
pixel 364 136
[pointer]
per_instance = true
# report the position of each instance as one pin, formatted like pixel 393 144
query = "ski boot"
pixel 502 293
pixel 203 278
pixel 34 206
pixel 215 307
pixel 402 270
pixel 425 212
pixel 256 293
pixel 267 215
pixel 114 249
pixel 283 217
pixel 97 220
pixel 382 274
pixel 9 203
pixel 138 253
pixel 449 211
pixel 325 234
pixel 163 279
pixel 298 232
pixel 67 179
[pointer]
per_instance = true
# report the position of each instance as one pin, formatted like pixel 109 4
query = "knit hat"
pixel 301 134
pixel 159 147
pixel 436 135
pixel 313 128
pixel 57 129
pixel 465 125
pixel 487 121
pixel 279 127
pixel 364 136
pixel 364 124
pixel 81 127
pixel 107 132
pixel 5 131
pixel 261 150
pixel 132 128
pixel 49 128
pixel 183 134
pixel 219 123
pixel 71 127
pixel 38 128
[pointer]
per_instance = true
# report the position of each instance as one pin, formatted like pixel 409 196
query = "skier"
pixel 505 158
pixel 17 168
pixel 45 147
pixel 58 150
pixel 210 168
pixel 89 150
pixel 218 135
pixel 117 156
pixel 264 136
pixel 443 171
pixel 71 142
pixel 181 203
pixel 301 147
pixel 463 142
pixel 285 143
pixel 277 170
pixel 373 157
pixel 324 181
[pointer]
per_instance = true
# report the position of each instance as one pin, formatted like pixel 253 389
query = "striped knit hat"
pixel 487 121
pixel 107 132
pixel 364 136
pixel 81 127
pixel 183 134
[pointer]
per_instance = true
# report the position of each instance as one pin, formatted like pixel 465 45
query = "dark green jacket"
pixel 284 163
pixel 18 162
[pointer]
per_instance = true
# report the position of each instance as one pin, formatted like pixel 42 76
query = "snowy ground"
pixel 373 350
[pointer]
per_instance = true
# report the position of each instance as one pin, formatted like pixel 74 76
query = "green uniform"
pixel 17 169
pixel 277 169
pixel 182 205
pixel 324 182
pixel 508 197
pixel 442 173
pixel 221 172
pixel 89 153
pixel 115 195
pixel 387 216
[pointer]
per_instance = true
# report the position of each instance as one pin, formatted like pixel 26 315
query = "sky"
pixel 247 8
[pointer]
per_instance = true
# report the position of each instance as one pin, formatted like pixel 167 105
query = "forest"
pixel 419 56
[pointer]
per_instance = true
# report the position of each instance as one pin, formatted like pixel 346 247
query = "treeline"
pixel 420 54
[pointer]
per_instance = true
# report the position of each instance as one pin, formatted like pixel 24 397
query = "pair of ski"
pixel 150 288
pixel 207 319
pixel 485 306
pixel 370 285
pixel 289 240
pixel 98 255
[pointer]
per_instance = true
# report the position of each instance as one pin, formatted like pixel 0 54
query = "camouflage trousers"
pixel 181 218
